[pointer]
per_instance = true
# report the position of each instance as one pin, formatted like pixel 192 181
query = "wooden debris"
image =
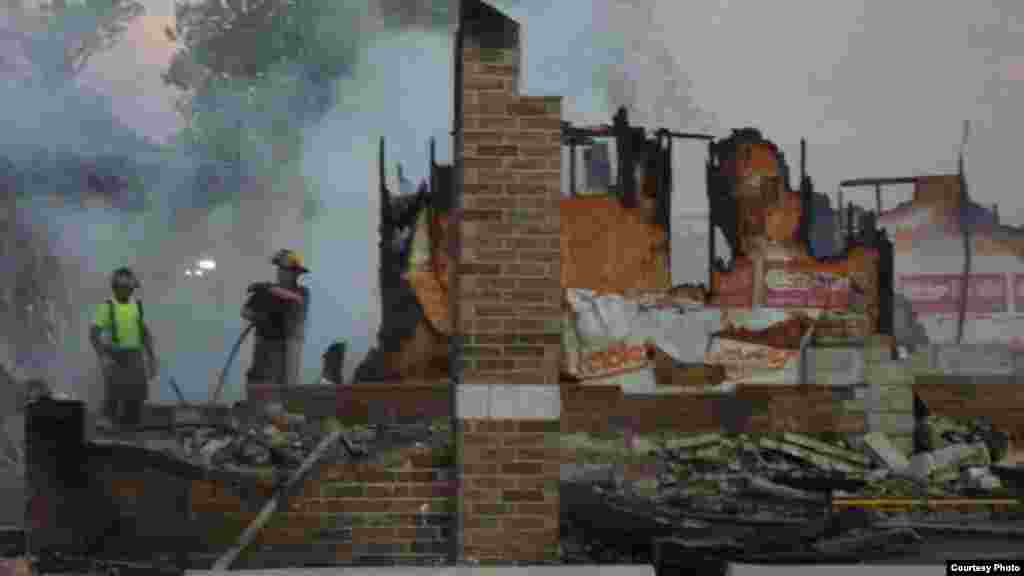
pixel 759 485
pixel 693 442
pixel 826 449
pixel 820 460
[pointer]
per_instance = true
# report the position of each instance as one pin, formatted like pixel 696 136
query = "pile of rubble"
pixel 779 493
pixel 792 476
pixel 280 440
pixel 274 442
pixel 718 473
pixel 247 450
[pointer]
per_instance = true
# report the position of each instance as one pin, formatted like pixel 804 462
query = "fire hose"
pixel 227 364
pixel 256 290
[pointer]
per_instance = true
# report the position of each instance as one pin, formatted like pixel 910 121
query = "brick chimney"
pixel 505 299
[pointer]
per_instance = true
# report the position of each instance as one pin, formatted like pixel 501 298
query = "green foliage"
pixel 254 73
pixel 247 40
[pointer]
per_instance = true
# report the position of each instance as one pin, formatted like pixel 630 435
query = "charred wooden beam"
pixel 572 169
pixel 664 192
pixel 624 144
pixel 803 158
pixel 685 135
pixel 583 135
pixel 872 182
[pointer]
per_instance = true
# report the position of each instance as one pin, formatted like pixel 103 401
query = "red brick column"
pixel 508 298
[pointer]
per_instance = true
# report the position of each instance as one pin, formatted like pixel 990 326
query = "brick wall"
pixel 398 511
pixel 508 295
pixel 510 493
pixel 506 301
pixel 385 401
pixel 805 409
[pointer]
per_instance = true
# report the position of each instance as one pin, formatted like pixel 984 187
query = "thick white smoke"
pixel 323 202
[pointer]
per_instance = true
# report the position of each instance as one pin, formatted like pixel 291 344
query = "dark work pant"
pixel 275 368
pixel 124 414
pixel 126 389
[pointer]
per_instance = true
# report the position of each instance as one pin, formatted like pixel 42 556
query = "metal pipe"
pixel 279 499
pixel 878 199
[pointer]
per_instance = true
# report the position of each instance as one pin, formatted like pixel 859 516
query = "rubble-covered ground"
pixel 748 492
pixel 250 450
pixel 748 495
pixel 271 444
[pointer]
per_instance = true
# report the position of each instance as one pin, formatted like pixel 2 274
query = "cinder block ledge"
pixel 509 402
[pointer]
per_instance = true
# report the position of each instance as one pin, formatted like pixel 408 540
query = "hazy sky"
pixel 877 87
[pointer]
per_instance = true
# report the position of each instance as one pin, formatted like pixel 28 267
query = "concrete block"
pixel 921 360
pixel 835 366
pixel 896 399
pixel 973 359
pixel 889 373
pixel 526 402
pixel 937 379
pixel 896 423
pixel 994 379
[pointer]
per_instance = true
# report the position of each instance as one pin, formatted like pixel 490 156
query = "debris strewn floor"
pixel 803 495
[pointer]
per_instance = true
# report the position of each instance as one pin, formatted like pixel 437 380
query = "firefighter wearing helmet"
pixel 278 312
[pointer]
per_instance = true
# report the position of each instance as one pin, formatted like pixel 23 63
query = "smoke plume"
pixel 643 75
pixel 315 193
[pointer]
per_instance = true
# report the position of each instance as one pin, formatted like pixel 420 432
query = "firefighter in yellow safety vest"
pixel 124 345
